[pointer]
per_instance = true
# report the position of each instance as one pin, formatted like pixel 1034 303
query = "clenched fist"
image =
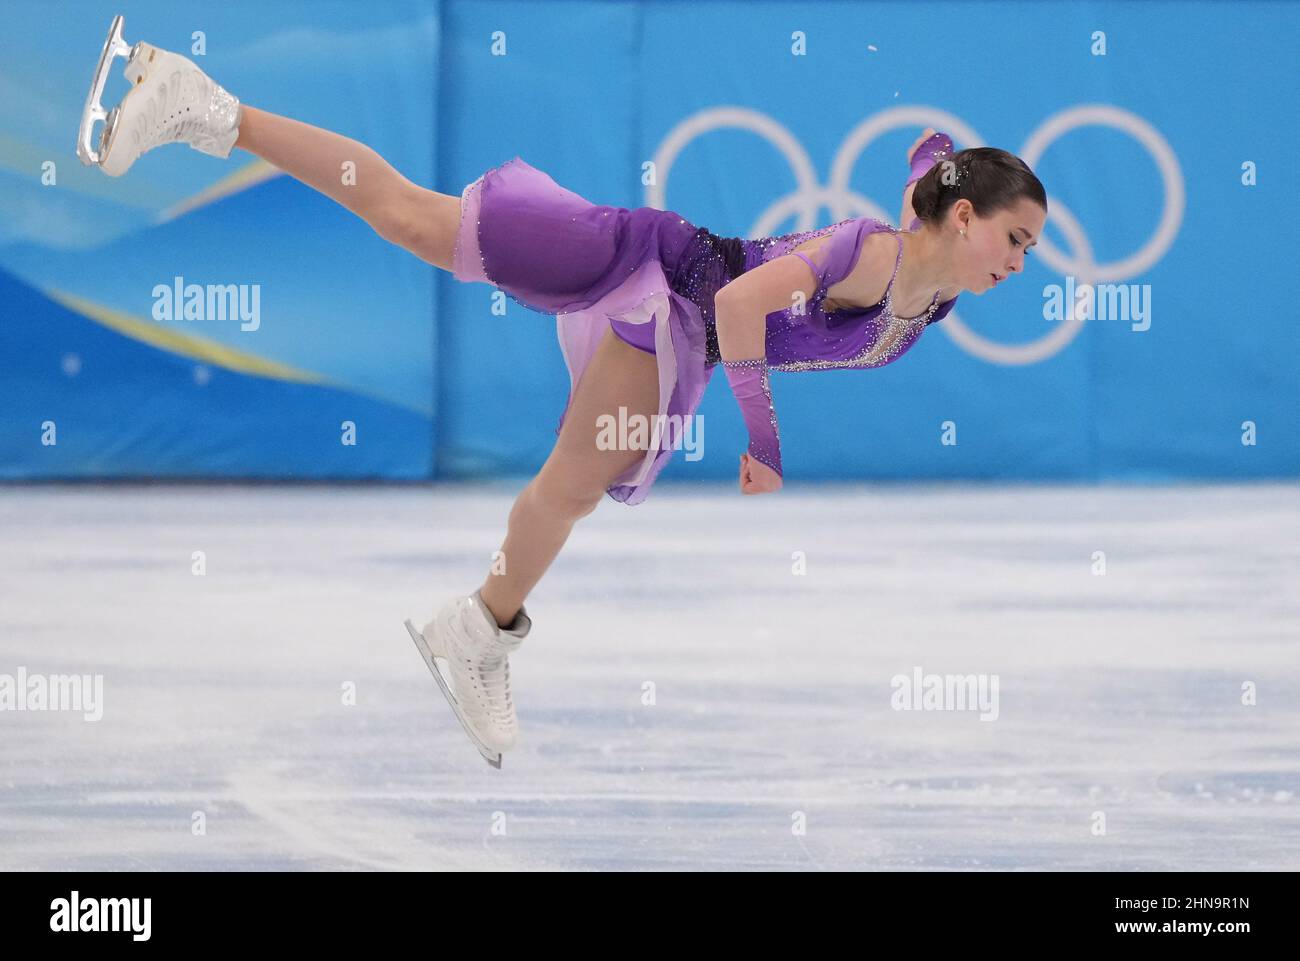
pixel 756 477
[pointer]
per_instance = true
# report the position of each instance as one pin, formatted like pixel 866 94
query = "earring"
pixel 963 231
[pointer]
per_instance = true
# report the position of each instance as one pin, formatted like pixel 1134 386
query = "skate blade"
pixel 489 755
pixel 94 110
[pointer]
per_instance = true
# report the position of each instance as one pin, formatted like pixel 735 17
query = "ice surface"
pixel 1119 693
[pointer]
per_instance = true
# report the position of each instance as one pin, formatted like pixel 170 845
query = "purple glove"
pixel 750 383
pixel 930 152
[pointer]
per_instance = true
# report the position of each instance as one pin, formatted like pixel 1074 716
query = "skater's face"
pixel 995 246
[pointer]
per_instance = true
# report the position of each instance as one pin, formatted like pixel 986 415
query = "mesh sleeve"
pixel 832 254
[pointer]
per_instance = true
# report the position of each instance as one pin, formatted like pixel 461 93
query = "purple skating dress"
pixel 651 276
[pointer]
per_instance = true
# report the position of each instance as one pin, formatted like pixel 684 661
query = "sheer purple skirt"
pixel 596 268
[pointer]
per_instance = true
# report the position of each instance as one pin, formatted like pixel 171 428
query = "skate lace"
pixel 489 676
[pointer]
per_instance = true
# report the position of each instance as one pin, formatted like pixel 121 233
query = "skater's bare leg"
pixel 422 221
pixel 573 480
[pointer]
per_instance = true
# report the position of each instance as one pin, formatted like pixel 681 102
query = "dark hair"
pixel 991 179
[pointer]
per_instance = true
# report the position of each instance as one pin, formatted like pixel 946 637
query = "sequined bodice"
pixel 804 336
pixel 708 264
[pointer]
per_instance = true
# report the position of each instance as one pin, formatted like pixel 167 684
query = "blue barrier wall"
pixel 760 118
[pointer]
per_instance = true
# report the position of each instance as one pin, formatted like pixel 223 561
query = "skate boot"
pixel 465 635
pixel 170 101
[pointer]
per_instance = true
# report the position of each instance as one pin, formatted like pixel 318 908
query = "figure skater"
pixel 647 305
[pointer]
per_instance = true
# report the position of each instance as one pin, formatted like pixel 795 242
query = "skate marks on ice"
pixel 337 830
pixel 907 792
pixel 1119 693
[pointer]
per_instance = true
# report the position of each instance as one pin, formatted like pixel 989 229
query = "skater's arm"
pixel 925 152
pixel 907 214
pixel 795 281
pixel 741 309
pixel 742 306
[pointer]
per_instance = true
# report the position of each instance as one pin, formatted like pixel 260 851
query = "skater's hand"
pixel 756 477
pixel 929 132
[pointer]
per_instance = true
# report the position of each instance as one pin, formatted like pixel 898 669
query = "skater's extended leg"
pixel 172 100
pixel 574 478
pixel 422 221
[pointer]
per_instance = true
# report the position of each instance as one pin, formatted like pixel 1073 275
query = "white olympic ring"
pixel 843 202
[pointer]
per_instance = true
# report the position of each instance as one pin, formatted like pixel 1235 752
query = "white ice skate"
pixel 170 101
pixel 465 637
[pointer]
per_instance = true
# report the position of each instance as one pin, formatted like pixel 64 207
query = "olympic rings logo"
pixel 843 202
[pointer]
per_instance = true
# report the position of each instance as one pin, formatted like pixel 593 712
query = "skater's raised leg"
pixel 419 220
pixel 172 101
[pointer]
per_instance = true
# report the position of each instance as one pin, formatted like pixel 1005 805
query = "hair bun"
pixel 991 179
